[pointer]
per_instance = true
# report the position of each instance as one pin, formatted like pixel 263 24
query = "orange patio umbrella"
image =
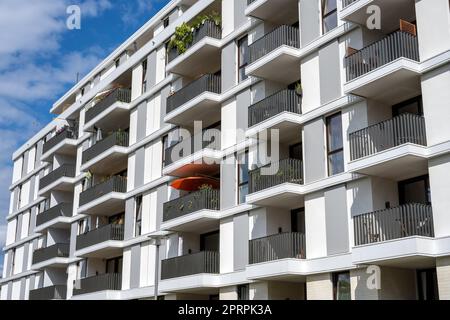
pixel 194 183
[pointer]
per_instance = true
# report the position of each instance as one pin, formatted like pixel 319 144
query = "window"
pixel 166 22
pixel 210 241
pixel 243 292
pixel 114 265
pixel 138 217
pixel 144 76
pixel 329 15
pixel 242 177
pixel 427 284
pixel 298 220
pixel 243 57
pixel 413 106
pixel 415 190
pixel 341 286
pixel 165 145
pixel 335 147
pixel 12 258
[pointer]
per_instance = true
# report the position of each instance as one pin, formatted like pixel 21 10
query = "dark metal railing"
pixel 120 139
pixel 396 45
pixel 59 250
pixel 65 170
pixel 276 247
pixel 107 281
pixel 207 29
pixel 282 101
pixel 412 219
pixel 249 2
pixel 106 233
pixel 197 263
pixel 65 133
pixel 346 3
pixel 119 94
pixel 200 200
pixel 283 35
pixel 60 210
pixel 206 83
pixel 405 128
pixel 289 171
pixel 113 184
pixel 182 149
pixel 57 292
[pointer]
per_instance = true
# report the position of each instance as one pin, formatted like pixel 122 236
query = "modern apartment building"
pixel 105 204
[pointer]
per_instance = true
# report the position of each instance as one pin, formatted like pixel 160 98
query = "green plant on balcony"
pixel 298 88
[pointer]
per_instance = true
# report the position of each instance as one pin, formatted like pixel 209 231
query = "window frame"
pixel 242 66
pixel 240 183
pixel 330 152
pixel 138 215
pixel 335 281
pixel 328 14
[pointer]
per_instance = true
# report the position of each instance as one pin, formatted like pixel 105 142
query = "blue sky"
pixel 39 60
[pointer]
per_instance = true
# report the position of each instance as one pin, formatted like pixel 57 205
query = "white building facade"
pixel 113 200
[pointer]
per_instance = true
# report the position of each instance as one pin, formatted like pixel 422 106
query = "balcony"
pixel 64 142
pixel 199 100
pixel 61 179
pixel 57 216
pixel 386 70
pixel 198 209
pixel 275 11
pixel 106 197
pixel 277 247
pixel 192 264
pixel 107 281
pixel 57 292
pixel 275 56
pixel 115 104
pixel 393 148
pixel 58 253
pixel 278 186
pixel 201 56
pixel 110 152
pixel 103 239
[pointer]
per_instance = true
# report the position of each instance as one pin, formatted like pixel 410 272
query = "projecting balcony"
pixel 201 56
pixel 393 148
pixel 356 11
pixel 277 184
pixel 279 111
pixel 387 70
pixel 191 264
pixel 107 155
pixel 63 142
pixel 199 100
pixel 54 256
pixel 55 217
pixel 62 178
pixel 104 282
pixel 57 292
pixel 275 11
pixel 104 242
pixel 195 210
pixel 185 157
pixel 399 234
pixel 275 56
pixel 105 198
pixel 113 108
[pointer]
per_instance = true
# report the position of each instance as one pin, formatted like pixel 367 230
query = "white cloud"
pixel 133 9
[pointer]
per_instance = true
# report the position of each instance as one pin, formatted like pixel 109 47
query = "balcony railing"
pixel 57 292
pixel 60 210
pixel 119 139
pixel 208 141
pixel 114 184
pixel 60 250
pixel 107 281
pixel 405 128
pixel 65 170
pixel 276 247
pixel 197 263
pixel 207 29
pixel 404 221
pixel 200 200
pixel 346 3
pixel 65 133
pixel 283 101
pixel 111 232
pixel 207 83
pixel 289 171
pixel 397 45
pixel 283 35
pixel 117 95
pixel 249 2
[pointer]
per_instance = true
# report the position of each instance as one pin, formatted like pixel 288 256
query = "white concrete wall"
pixel 439 172
pixel 319 287
pixel 226 246
pixel 316 241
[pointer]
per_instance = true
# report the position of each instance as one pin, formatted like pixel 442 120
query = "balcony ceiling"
pixel 203 57
pixel 279 11
pixel 114 162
